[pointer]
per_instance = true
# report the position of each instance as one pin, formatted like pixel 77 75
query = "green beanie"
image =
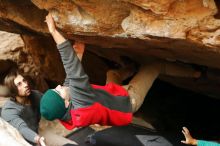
pixel 52 105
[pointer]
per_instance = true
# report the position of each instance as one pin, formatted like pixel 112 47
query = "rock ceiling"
pixel 181 31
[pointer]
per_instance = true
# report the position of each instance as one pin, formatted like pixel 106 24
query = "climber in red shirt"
pixel 77 103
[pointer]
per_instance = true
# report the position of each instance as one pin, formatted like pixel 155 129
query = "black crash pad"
pixel 80 136
pixel 130 135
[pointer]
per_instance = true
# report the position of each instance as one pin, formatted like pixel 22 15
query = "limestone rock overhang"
pixel 184 32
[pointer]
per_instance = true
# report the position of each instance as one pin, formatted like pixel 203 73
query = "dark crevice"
pixel 217 3
pixel 169 108
pixel 51 84
pixel 6 67
pixel 13 27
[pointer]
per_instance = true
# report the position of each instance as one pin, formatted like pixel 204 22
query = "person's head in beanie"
pixel 54 103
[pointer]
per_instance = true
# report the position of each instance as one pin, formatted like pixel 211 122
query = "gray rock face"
pixel 52 131
pixel 180 31
pixel 10 136
pixel 184 32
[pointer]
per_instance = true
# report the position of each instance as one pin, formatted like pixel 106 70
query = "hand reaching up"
pixel 57 36
pixel 50 23
pixel 189 139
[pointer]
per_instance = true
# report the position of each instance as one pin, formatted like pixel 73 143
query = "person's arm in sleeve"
pixel 57 36
pixel 189 140
pixel 73 68
pixel 12 117
pixel 207 143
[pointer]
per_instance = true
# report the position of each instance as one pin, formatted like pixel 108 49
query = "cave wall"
pixel 183 31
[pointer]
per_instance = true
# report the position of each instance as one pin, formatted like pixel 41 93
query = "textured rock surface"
pixel 13 48
pixel 45 57
pixel 10 136
pixel 179 31
pixel 52 131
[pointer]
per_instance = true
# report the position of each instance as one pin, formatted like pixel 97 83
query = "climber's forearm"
pixel 58 37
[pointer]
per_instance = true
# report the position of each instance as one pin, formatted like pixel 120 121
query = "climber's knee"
pixel 136 97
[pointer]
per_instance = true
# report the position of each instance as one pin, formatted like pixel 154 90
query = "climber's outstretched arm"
pixel 57 36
